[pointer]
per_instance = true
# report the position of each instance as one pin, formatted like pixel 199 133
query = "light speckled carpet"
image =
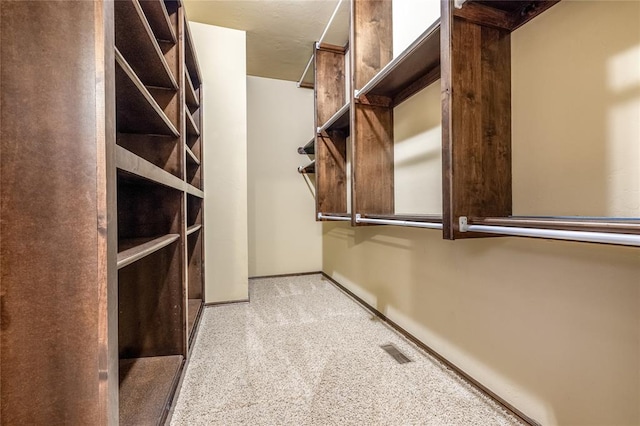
pixel 304 353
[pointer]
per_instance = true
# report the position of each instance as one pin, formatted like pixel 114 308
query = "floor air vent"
pixel 395 353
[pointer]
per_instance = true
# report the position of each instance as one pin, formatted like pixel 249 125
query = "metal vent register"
pixel 395 353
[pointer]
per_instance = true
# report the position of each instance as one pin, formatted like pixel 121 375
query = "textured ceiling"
pixel 280 33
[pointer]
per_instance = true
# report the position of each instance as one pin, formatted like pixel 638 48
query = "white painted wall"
pixel 552 327
pixel 283 235
pixel 222 59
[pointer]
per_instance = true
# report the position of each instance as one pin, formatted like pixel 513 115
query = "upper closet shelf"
pixel 504 14
pixel 309 168
pixel 136 42
pixel 338 121
pixel 309 148
pixel 158 18
pixel 190 59
pixel 414 69
pixel 136 110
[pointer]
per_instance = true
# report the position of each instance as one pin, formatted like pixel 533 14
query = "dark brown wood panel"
pixel 477 134
pixel 331 172
pixel 372 144
pixel 195 306
pixel 54 257
pixel 373 43
pixel 330 86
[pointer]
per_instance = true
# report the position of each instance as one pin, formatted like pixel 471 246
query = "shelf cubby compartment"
pixel 136 109
pixel 332 125
pixel 195 258
pixel 415 68
pixel 309 148
pixel 136 42
pixel 192 126
pixel 308 169
pixel 146 386
pixel 191 157
pixel 476 109
pixel 161 151
pixel 191 95
pixel 159 21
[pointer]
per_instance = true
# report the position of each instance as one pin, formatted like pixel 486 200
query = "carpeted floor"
pixel 304 353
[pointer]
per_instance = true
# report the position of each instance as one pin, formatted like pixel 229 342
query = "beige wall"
pixel 283 235
pixel 552 327
pixel 222 59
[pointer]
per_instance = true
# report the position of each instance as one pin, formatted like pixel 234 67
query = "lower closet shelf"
pixel 193 311
pixel 146 386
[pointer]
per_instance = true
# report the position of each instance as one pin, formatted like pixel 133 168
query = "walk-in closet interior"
pixel 184 182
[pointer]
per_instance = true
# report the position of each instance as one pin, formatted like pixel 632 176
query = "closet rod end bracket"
pixel 463 224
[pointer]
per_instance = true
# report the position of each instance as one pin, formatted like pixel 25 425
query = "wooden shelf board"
pixel 338 121
pixel 193 311
pixel 309 168
pixel 136 110
pixel 142 247
pixel 191 96
pixel 191 157
pixel 136 42
pixel 193 228
pixel 415 68
pixel 308 148
pixel 158 18
pixel 192 129
pixel 131 163
pixel 192 190
pixel 190 59
pixel 146 388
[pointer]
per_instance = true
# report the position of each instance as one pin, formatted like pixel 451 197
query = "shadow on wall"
pixel 556 323
pixel 575 125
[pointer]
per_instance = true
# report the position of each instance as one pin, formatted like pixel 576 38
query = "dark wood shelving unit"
pixel 136 109
pixel 112 180
pixel 415 68
pixel 308 169
pixel 137 43
pixel 159 21
pixel 146 386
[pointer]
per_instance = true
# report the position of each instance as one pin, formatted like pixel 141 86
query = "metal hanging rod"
pixel 319 42
pixel 329 217
pixel 585 236
pixel 428 225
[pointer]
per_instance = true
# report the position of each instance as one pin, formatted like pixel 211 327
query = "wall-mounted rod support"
pixel 329 217
pixel 428 225
pixel 585 236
